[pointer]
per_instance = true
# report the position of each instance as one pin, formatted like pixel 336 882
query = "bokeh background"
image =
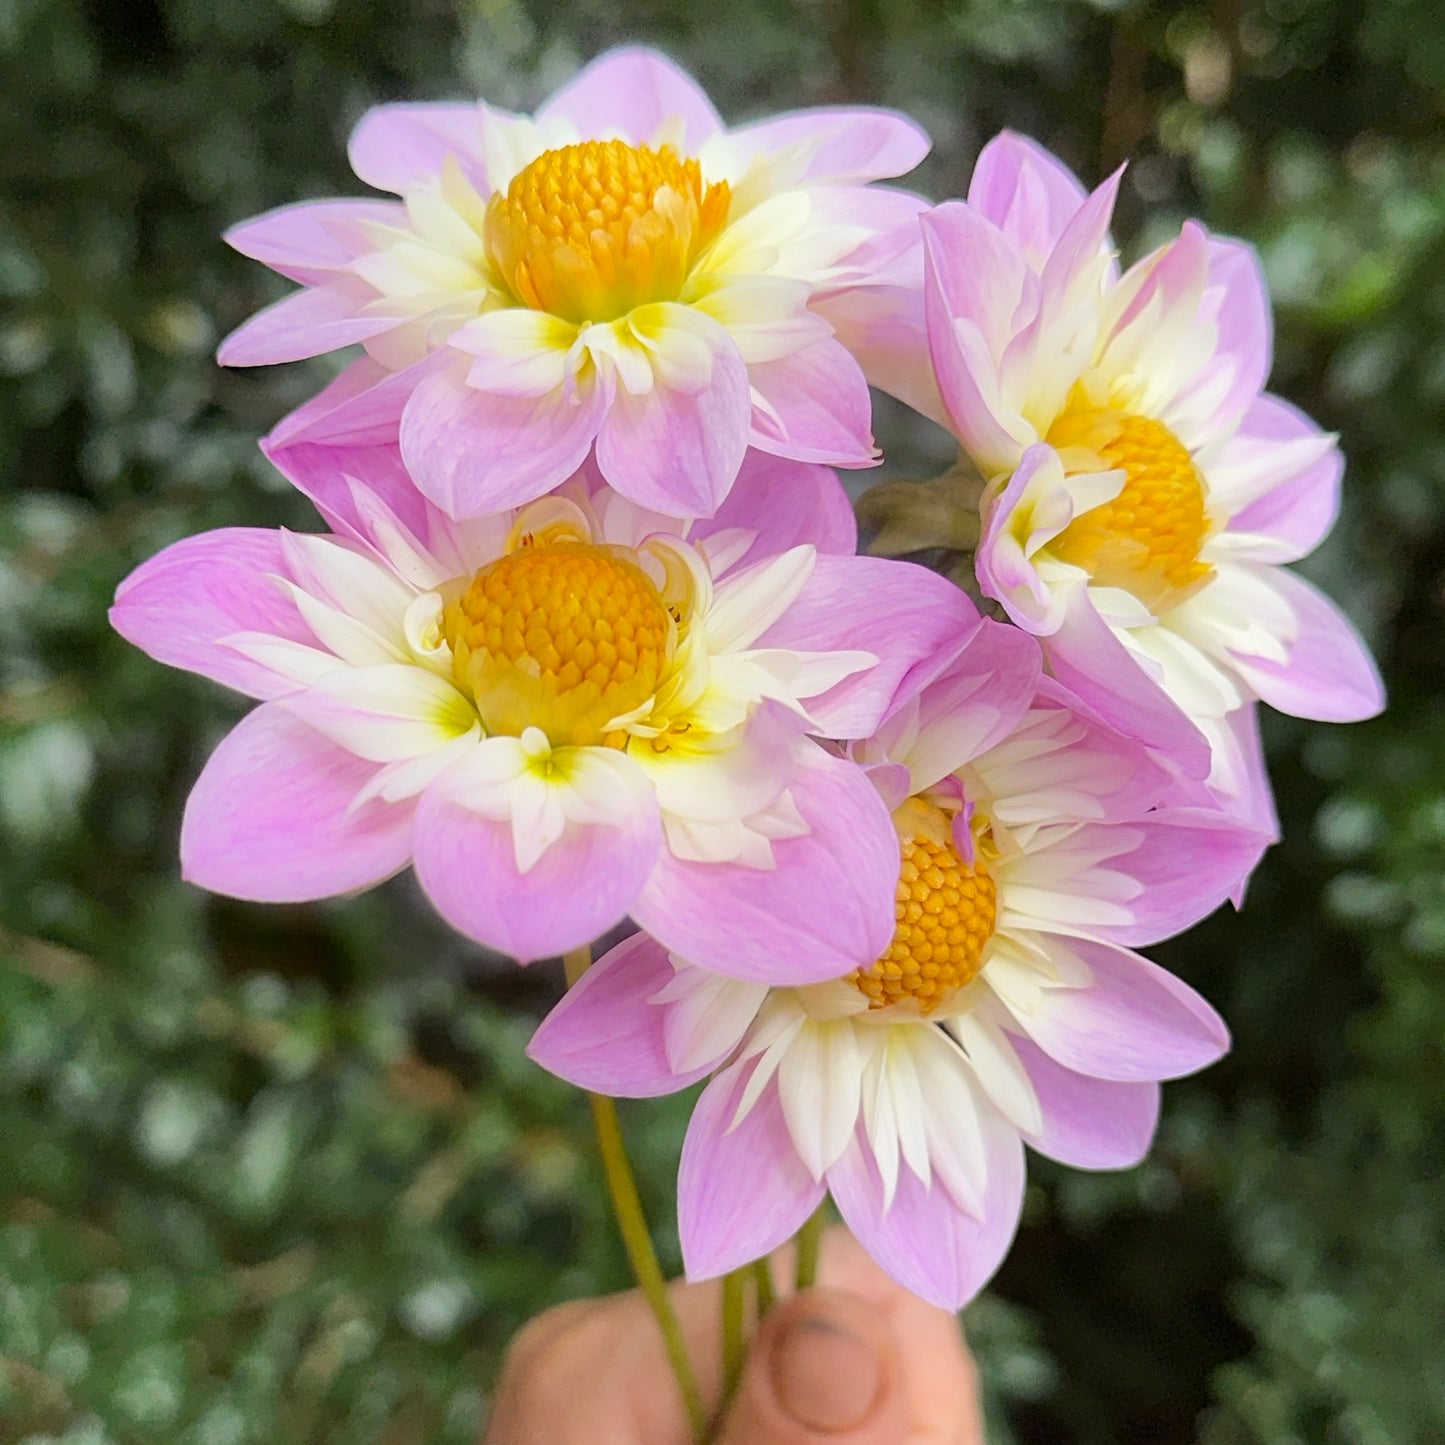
pixel 284 1175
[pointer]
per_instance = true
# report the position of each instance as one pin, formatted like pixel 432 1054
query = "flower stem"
pixel 763 1277
pixel 636 1238
pixel 810 1237
pixel 734 1303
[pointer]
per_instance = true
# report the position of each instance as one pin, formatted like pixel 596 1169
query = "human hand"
pixel 857 1361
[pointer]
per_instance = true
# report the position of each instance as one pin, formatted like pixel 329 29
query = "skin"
pixel 856 1361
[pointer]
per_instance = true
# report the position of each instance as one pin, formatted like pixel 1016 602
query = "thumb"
pixel 823 1370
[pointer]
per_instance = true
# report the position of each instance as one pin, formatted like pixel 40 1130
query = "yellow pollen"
pixel 588 231
pixel 562 636
pixel 945 918
pixel 1148 539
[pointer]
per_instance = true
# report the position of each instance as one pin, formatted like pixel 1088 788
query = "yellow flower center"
pixel 588 231
pixel 563 636
pixel 1148 539
pixel 946 910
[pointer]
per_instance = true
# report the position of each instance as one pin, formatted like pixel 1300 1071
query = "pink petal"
pixel 1026 191
pixel 1135 1022
pixel 884 327
pixel 1190 860
pixel 581 886
pixel 305 323
pixel 1089 660
pixel 181 605
pixel 309 242
pixel 1330 675
pixel 923 1239
pixel 1236 300
pixel 974 282
pixel 395 147
pixel 605 1035
pixel 677 452
pixel 824 909
pixel 787 504
pixel 632 92
pixel 1088 1123
pixel 814 407
pixel 361 407
pixel 472 453
pixel 741 1192
pixel 269 819
pixel 911 619
pixel 1293 504
pixel 326 474
pixel 976 703
pixel 846 143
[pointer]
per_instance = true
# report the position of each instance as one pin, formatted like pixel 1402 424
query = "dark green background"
pixel 283 1175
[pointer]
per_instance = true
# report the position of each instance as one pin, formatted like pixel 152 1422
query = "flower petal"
pixel 310 242
pixel 1135 1021
pixel 270 817
pixel 580 886
pixel 923 1239
pixel 843 143
pixel 305 323
pixel 911 619
pixel 1089 660
pixel 328 475
pixel 1329 675
pixel 394 147
pixel 362 407
pixel 677 448
pixel 473 452
pixel 784 504
pixel 182 605
pixel 824 908
pixel 1089 1123
pixel 634 92
pixel 1026 191
pixel 813 406
pixel 741 1189
pixel 975 704
pixel 607 1034
pixel 1280 475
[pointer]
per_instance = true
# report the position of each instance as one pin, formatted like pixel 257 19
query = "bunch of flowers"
pixel 588 638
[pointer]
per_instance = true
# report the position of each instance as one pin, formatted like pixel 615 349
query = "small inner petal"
pixel 1146 540
pixel 589 231
pixel 561 636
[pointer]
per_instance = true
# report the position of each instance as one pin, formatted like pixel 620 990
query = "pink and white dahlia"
pixel 1142 489
pixel 619 269
pixel 559 715
pixel 1008 1008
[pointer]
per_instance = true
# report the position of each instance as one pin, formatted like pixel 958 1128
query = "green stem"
pixel 734 1305
pixel 810 1238
pixel 636 1238
pixel 763 1278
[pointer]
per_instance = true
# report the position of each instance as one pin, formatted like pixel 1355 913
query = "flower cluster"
pixel 588 638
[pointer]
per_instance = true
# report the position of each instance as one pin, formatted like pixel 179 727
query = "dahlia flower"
pixel 619 269
pixel 1008 1007
pixel 1142 489
pixel 560 715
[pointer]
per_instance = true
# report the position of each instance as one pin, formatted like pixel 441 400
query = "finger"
pixel 939 1378
pixel 595 1372
pixel 823 1370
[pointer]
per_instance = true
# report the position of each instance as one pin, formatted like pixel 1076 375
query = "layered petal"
pixel 741 1188
pixel 825 904
pixel 274 778
pixel 183 605
pixel 922 1237
pixel 487 884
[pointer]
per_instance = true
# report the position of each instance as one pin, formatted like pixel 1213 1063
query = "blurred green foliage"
pixel 284 1174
